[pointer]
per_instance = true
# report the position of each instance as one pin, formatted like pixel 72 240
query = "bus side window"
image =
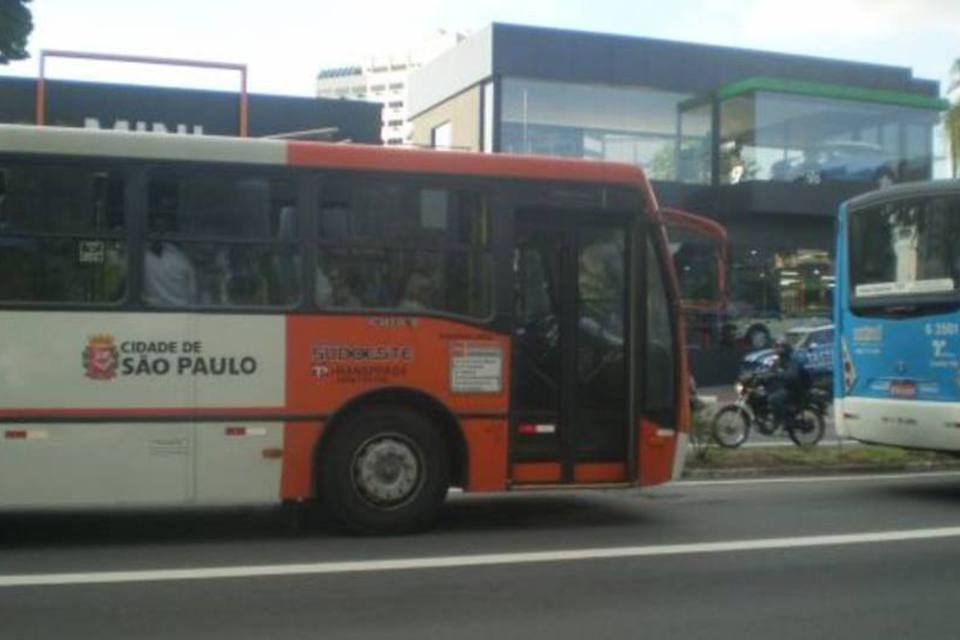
pixel 61 234
pixel 221 240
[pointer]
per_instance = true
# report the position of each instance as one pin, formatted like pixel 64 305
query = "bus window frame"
pixel 119 167
pixel 219 169
pixel 409 181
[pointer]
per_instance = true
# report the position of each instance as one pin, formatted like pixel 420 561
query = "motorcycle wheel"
pixel 731 426
pixel 806 428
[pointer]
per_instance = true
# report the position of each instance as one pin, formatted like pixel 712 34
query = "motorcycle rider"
pixel 788 381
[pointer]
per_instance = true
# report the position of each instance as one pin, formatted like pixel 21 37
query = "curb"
pixel 796 471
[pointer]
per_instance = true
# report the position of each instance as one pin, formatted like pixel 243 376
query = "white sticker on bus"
pixel 476 367
pixel 877 289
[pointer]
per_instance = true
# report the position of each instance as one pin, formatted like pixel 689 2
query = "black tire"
pixel 731 426
pixel 385 470
pixel 758 337
pixel 807 427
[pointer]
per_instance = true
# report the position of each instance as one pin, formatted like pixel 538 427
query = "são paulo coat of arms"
pixel 100 358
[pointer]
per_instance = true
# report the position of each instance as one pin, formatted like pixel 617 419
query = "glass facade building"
pixel 635 125
pixel 791 131
pixel 767 144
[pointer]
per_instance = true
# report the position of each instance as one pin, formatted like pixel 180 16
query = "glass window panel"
pixel 434 208
pixel 601 363
pixel 68 270
pixel 696 138
pixel 696 263
pixel 628 124
pixel 223 206
pixel 794 138
pixel 445 281
pixel 221 274
pixel 441 137
pixel 659 372
pixel 906 248
pixel 429 217
pixel 770 284
pixel 61 198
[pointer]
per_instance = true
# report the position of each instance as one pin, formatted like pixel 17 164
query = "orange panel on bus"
pixel 487 454
pixel 657 450
pixel 333 359
pixel 536 472
pixel 299 443
pixel 588 472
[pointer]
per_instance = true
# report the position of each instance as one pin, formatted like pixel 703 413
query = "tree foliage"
pixel 952 120
pixel 16 23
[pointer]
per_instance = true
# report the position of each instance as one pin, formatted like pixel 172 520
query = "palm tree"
pixel 952 119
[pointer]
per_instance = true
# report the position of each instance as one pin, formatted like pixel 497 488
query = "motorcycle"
pixel 804 423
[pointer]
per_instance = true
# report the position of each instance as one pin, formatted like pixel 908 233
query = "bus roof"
pixel 204 148
pixel 903 191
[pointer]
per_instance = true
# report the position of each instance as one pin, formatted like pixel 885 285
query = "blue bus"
pixel 897 315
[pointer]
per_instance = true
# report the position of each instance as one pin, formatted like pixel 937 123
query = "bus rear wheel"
pixel 384 471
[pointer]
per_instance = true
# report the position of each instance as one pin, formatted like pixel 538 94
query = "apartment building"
pixel 385 79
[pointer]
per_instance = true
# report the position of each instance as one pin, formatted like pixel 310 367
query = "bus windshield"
pixel 906 249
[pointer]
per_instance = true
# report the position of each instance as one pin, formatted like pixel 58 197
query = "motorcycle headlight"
pixel 738 387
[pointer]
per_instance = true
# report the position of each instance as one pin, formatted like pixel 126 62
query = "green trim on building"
pixel 836 91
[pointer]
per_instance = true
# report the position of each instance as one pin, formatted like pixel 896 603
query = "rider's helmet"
pixel 783 350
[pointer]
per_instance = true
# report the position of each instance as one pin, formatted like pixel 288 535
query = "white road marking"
pixel 493 559
pixel 854 477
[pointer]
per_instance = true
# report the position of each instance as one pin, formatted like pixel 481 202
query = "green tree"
pixel 16 23
pixel 952 120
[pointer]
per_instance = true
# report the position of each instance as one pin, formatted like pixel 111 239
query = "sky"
pixel 285 42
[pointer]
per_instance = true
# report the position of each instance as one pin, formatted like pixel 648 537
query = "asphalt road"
pixel 859 557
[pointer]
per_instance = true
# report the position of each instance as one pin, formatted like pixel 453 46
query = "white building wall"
pixel 385 79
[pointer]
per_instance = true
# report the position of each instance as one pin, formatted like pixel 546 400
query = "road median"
pixel 718 463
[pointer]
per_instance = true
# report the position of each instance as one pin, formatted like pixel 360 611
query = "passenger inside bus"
pixel 242 282
pixel 169 278
pixel 418 293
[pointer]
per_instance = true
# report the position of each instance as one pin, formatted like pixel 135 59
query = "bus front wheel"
pixel 384 471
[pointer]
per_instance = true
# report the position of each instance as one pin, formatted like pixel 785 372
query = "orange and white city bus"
pixel 196 320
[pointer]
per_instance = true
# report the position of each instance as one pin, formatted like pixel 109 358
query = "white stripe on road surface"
pixel 447 562
pixel 854 477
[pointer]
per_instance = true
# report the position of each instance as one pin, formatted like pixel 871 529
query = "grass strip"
pixel 821 457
